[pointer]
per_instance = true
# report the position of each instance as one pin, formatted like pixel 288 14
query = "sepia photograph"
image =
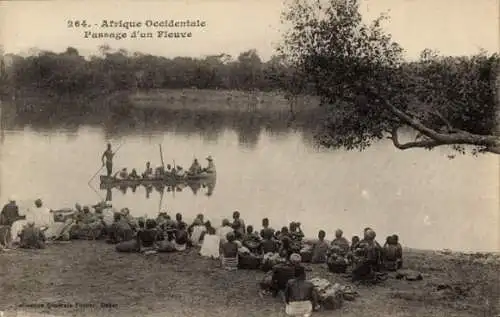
pixel 250 158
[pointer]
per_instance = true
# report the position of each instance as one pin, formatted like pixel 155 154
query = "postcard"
pixel 249 158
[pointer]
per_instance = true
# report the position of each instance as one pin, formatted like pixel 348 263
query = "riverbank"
pixel 198 107
pixel 89 273
pixel 220 100
pixel 170 99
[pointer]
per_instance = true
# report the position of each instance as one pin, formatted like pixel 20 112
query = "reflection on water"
pixel 209 125
pixel 266 170
pixel 195 187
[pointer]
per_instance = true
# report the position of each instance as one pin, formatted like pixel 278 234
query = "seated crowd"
pixel 277 252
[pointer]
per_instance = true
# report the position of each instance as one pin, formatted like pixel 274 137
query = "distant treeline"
pixel 71 73
pixel 452 80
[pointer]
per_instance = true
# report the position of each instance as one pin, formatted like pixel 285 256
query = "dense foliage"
pixel 70 73
pixel 370 91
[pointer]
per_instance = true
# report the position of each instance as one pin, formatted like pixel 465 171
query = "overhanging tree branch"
pixel 427 144
pixel 489 143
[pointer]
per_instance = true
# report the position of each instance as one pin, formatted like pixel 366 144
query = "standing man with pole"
pixel 107 160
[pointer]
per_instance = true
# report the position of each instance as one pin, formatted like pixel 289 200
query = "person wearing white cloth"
pixel 211 243
pixel 198 231
pixel 42 217
pixel 224 230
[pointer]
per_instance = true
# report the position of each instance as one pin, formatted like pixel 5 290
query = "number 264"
pixel 77 23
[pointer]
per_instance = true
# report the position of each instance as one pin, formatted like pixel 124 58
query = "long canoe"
pixel 166 180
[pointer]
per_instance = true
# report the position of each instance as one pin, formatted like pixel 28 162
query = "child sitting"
pixel 230 253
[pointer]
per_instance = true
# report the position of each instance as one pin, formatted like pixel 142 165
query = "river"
pixel 430 201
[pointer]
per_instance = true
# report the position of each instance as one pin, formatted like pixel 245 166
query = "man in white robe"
pixel 42 216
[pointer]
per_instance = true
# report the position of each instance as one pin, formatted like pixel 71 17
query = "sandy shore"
pixel 88 278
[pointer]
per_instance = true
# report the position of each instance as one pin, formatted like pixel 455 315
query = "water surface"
pixel 431 201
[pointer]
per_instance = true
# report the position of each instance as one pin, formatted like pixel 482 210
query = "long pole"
pixel 95 191
pixel 161 156
pixel 161 198
pixel 2 136
pixel 102 166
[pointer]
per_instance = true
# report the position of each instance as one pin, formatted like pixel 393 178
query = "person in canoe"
pixel 179 172
pixel 133 174
pixel 107 159
pixel 148 173
pixel 211 166
pixel 123 174
pixel 159 172
pixel 195 168
pixel 169 170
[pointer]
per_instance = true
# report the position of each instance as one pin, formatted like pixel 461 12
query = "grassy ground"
pixel 184 284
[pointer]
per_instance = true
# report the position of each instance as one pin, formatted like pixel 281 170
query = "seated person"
pixel 32 237
pixel 354 242
pixel 296 232
pixel 181 237
pixel 169 223
pixel 168 169
pixel 198 221
pixel 320 249
pixel 179 222
pixel 337 261
pixel 224 230
pixel 148 173
pixel 283 272
pixel 300 295
pixel 211 242
pixel 238 224
pixel 238 236
pixel 145 240
pixel 87 225
pixel 197 232
pixel 265 227
pixel 148 237
pixel 161 219
pixel 286 248
pixel 341 242
pixel 179 172
pixel 133 174
pixel 195 168
pixel 366 257
pixel 268 244
pixel 211 166
pixel 229 252
pixel 392 255
pixel 120 230
pixel 141 224
pixel 122 174
pixel 159 172
pixel 251 240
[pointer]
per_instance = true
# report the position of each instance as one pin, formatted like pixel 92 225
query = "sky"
pixel 453 27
